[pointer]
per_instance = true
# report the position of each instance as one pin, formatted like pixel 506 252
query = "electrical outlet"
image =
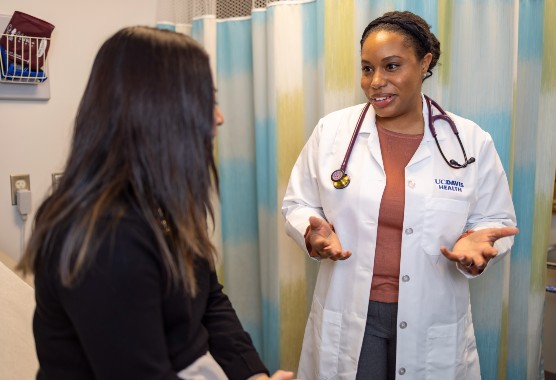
pixel 17 182
pixel 56 177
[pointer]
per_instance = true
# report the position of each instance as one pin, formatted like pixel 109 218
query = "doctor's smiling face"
pixel 391 77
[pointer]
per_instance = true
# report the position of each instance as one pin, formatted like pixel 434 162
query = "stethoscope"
pixel 339 177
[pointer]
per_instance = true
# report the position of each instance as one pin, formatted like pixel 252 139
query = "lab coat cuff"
pixel 468 275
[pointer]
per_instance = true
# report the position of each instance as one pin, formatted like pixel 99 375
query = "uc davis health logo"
pixel 449 185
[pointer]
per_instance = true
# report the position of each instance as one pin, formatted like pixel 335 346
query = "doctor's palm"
pixel 324 241
pixel 474 251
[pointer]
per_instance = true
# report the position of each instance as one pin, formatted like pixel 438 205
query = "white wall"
pixel 35 135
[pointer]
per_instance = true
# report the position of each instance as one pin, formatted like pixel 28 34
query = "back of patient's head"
pixel 147 109
pixel 143 139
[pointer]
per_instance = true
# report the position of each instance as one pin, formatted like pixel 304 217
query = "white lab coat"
pixel 437 341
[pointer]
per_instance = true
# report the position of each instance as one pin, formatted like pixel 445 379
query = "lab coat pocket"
pixel 441 352
pixel 330 344
pixel 444 221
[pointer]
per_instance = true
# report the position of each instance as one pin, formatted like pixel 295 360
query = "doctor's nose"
pixel 378 81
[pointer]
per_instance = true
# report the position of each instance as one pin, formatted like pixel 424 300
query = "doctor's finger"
pixel 320 226
pixel 479 262
pixel 498 233
pixel 489 253
pixel 318 241
pixel 450 255
pixel 344 255
pixel 475 270
pixel 328 251
pixel 335 255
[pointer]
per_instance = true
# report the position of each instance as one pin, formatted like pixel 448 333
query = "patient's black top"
pixel 121 321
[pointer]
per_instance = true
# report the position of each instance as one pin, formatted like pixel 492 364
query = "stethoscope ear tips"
pixel 456 165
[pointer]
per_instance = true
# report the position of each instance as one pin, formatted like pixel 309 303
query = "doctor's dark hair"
pixel 142 143
pixel 414 28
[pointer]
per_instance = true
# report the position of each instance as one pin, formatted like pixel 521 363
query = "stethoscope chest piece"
pixel 340 179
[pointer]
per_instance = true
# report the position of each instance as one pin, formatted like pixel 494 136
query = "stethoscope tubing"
pixel 354 137
pixel 444 116
pixel 339 177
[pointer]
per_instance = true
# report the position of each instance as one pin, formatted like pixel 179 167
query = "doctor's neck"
pixel 410 123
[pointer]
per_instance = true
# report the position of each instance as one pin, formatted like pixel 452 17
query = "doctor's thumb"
pixel 315 222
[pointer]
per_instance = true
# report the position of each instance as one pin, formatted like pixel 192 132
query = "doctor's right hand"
pixel 323 241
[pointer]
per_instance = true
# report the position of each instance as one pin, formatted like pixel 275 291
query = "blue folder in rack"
pixel 11 71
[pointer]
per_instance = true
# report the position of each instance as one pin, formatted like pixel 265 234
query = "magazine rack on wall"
pixel 12 69
pixel 22 84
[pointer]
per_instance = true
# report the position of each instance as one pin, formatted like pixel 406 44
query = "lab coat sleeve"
pixel 494 207
pixel 302 199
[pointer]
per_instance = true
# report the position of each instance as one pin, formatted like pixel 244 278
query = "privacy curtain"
pixel 280 66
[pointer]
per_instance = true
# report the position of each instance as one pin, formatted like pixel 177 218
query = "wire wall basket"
pixel 23 59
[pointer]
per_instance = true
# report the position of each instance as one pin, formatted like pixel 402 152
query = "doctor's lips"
pixel 381 100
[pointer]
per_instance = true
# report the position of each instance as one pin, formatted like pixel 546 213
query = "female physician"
pixel 402 204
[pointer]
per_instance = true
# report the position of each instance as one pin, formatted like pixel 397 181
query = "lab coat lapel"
pixel 423 152
pixel 369 127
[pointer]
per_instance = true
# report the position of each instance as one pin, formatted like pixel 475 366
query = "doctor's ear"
pixel 425 63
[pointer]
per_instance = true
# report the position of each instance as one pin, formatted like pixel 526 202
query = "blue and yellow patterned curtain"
pixel 282 65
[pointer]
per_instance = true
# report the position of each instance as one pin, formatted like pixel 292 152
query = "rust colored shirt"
pixel 397 150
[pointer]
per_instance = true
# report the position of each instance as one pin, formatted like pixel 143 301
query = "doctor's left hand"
pixel 324 242
pixel 475 250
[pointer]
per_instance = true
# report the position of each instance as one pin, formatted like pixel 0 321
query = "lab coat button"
pixel 405 278
pixel 401 371
pixel 403 325
pixel 411 184
pixel 408 231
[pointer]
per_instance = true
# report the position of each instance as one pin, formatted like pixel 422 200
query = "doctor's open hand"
pixel 473 251
pixel 324 241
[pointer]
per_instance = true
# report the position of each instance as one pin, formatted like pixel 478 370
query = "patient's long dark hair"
pixel 143 134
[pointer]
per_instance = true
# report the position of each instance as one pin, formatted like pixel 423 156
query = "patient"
pixel 124 267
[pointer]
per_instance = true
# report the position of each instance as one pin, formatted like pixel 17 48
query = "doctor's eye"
pixel 366 69
pixel 392 66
